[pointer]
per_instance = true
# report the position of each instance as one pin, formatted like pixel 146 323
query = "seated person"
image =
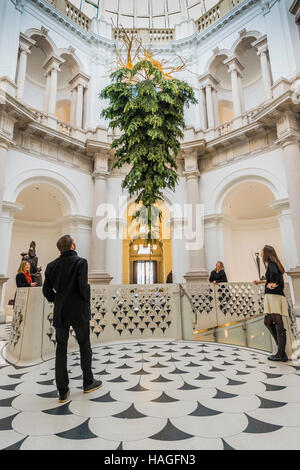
pixel 218 275
pixel 23 278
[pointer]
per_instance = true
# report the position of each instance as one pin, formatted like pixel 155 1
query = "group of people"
pixel 66 285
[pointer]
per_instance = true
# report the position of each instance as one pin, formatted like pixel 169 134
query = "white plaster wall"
pixel 231 245
pixel 254 95
pixel 76 185
pixel 10 22
pixel 242 241
pixel 267 167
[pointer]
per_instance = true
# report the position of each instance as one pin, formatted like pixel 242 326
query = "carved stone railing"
pixel 224 129
pixel 132 312
pixel 147 36
pixel 119 313
pixel 73 13
pixel 216 305
pixel 215 13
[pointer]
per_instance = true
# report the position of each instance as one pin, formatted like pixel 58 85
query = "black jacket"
pixel 218 277
pixel 21 280
pixel 66 285
pixel 273 275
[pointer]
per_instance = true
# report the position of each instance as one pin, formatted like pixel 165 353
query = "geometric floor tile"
pixel 156 395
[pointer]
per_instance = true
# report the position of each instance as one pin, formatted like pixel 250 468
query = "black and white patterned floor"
pixel 155 395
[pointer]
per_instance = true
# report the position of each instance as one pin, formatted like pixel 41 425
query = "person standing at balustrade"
pixel 66 285
pixel 23 278
pixel 218 275
pixel 275 304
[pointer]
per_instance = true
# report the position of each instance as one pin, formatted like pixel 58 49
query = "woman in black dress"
pixel 275 304
pixel 218 275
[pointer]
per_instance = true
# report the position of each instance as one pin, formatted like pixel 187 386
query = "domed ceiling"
pixel 145 13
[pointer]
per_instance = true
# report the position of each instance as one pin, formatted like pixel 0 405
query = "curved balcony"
pixel 149 312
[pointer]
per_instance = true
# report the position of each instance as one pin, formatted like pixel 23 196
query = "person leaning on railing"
pixel 218 275
pixel 275 303
pixel 23 278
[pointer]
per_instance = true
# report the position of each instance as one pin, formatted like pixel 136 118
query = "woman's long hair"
pixel 221 265
pixel 269 254
pixel 22 267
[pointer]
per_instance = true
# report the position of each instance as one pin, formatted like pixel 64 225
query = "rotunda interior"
pixel 182 349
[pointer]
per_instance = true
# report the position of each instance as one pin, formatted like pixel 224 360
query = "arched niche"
pixel 249 222
pixel 40 220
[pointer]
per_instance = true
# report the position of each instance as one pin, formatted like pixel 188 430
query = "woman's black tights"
pixel 274 323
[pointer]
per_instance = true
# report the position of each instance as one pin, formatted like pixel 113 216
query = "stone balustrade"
pixel 156 36
pixel 73 13
pixel 215 13
pixel 137 312
pixel 147 36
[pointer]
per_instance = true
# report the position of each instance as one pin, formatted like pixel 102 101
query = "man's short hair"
pixel 65 243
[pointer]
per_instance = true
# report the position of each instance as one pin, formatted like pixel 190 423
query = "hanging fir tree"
pixel 147 106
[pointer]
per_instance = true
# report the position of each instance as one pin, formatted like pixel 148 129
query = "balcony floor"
pixel 155 395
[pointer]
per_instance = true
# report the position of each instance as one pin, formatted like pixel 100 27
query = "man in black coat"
pixel 66 285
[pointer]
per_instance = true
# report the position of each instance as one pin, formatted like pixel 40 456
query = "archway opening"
pixel 249 223
pixel 142 263
pixel 40 220
pixel 253 89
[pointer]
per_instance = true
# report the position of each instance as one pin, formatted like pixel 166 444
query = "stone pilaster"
pixel 25 47
pixel 197 271
pixel 209 84
pixel 98 274
pixel 52 68
pixel 235 69
pixel 288 133
pixel 79 85
pixel 261 46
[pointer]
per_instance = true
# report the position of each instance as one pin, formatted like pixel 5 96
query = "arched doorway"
pixel 249 223
pixel 42 219
pixel 142 263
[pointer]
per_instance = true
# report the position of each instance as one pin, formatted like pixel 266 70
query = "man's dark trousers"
pixel 82 333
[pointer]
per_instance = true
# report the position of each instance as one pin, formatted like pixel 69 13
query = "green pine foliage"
pixel 148 109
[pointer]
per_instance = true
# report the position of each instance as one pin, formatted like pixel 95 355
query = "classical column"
pixel 25 47
pixel 51 67
pixel 261 46
pixel 210 107
pixel 6 225
pixel 98 274
pixel 203 108
pixel 235 69
pixel 289 137
pixel 208 99
pixel 197 271
pixel 284 217
pixel 79 85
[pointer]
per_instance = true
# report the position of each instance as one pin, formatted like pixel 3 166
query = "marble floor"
pixel 155 395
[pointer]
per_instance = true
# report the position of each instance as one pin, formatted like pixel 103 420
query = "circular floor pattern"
pixel 155 395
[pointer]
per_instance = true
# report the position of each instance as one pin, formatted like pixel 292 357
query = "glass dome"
pixel 145 13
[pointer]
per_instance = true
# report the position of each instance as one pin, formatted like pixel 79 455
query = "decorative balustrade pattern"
pixel 156 35
pixel 151 36
pixel 209 18
pixel 125 312
pixel 215 13
pixel 215 305
pixel 73 13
